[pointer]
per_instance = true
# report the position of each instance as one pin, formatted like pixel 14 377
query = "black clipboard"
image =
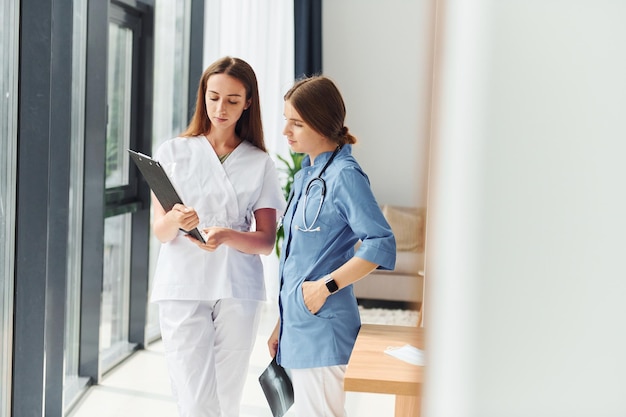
pixel 161 185
pixel 277 388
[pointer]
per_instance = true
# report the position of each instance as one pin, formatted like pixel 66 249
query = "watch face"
pixel 332 286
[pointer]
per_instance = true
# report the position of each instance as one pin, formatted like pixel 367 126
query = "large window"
pixel 121 134
pixel 8 133
pixel 170 97
pixel 116 290
pixel 171 68
pixel 74 384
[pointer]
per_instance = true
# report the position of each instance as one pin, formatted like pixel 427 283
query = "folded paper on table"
pixel 277 388
pixel 407 353
pixel 160 184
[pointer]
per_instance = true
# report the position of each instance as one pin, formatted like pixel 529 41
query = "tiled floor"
pixel 140 386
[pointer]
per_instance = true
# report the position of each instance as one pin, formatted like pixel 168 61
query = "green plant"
pixel 289 169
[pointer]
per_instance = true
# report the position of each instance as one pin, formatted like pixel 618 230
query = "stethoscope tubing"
pixel 311 183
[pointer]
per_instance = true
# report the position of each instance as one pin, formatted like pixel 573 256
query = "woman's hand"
pixel 214 237
pixel 315 294
pixel 272 342
pixel 166 224
pixel 259 241
pixel 183 217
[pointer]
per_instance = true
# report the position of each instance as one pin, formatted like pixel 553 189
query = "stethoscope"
pixel 315 182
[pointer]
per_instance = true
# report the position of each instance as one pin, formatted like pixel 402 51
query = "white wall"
pixel 261 33
pixel 527 230
pixel 380 54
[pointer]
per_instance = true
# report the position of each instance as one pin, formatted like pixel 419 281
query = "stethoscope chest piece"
pixel 317 182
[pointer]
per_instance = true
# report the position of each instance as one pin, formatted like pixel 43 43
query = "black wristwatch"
pixel 331 284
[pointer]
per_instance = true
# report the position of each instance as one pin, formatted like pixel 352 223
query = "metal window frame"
pixel 45 70
pixel 95 204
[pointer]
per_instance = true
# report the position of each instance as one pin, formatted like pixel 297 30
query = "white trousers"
pixel 318 392
pixel 207 349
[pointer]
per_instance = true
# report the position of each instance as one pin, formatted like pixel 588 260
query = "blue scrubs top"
pixel 349 212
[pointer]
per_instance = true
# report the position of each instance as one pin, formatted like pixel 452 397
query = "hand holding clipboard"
pixel 160 185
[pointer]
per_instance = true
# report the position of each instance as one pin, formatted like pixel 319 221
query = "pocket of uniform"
pixel 324 313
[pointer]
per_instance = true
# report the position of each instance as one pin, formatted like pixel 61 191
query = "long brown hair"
pixel 249 126
pixel 318 101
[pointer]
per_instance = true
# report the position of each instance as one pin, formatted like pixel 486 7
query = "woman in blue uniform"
pixel 332 207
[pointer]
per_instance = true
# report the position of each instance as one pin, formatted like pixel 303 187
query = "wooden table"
pixel 370 369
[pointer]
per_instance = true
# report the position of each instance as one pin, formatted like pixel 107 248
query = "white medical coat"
pixel 223 195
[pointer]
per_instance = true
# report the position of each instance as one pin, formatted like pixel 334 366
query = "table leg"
pixel 420 320
pixel 408 406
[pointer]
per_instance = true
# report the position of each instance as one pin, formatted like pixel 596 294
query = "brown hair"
pixel 318 101
pixel 249 126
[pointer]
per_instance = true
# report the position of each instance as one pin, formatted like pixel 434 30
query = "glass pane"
pixel 171 68
pixel 72 384
pixel 8 141
pixel 116 289
pixel 170 103
pixel 119 100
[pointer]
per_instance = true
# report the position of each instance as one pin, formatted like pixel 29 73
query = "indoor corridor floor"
pixel 140 386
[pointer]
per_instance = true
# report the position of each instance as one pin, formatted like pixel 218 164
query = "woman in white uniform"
pixel 331 209
pixel 209 294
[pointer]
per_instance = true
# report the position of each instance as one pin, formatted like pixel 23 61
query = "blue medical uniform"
pixel 349 212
